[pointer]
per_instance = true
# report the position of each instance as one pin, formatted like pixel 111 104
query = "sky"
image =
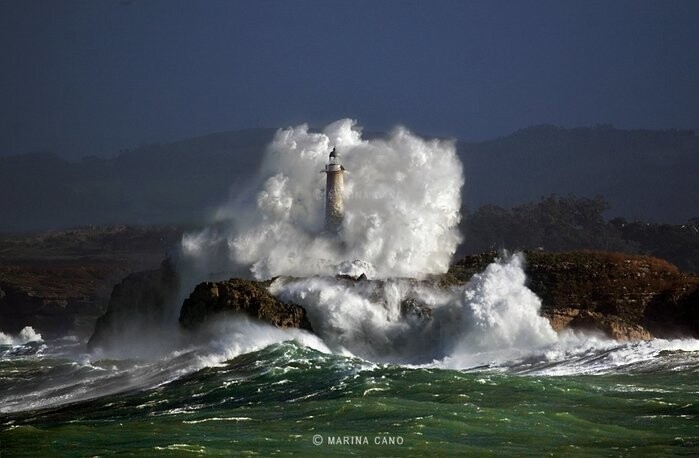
pixel 93 77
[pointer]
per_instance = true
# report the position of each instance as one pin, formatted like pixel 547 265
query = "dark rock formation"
pixel 49 314
pixel 361 277
pixel 240 296
pixel 415 308
pixel 625 296
pixel 140 299
pixel 54 299
pixel 59 282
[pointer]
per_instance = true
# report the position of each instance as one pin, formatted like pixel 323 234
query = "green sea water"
pixel 287 398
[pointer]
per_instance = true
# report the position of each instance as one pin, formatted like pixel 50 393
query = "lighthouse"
pixel 334 205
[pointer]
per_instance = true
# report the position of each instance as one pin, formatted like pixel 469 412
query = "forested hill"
pixel 643 174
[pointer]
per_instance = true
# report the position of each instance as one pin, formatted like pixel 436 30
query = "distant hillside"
pixel 154 184
pixel 643 174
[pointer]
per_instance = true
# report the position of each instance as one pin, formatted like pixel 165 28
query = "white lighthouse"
pixel 334 205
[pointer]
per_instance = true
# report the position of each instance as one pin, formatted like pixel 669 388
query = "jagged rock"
pixel 241 296
pixel 59 282
pixel 416 308
pixel 51 312
pixel 626 297
pixel 560 319
pixel 361 277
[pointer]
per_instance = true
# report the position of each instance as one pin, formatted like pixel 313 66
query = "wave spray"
pixel 401 199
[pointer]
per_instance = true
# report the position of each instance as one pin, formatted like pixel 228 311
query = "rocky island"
pixel 625 297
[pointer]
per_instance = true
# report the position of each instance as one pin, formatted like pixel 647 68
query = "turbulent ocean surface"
pixel 598 397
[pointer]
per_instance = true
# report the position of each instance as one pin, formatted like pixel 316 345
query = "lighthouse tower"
pixel 334 205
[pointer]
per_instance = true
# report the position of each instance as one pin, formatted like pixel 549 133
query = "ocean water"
pixel 602 398
pixel 483 374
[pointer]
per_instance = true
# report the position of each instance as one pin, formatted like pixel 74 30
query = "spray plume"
pixel 402 200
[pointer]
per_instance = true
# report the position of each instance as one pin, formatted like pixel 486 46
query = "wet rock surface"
pixel 240 296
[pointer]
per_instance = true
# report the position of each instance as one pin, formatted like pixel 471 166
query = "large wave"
pixel 402 201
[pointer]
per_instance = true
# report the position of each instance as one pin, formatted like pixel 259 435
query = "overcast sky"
pixel 93 77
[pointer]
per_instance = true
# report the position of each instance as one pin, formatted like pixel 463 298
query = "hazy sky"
pixel 92 77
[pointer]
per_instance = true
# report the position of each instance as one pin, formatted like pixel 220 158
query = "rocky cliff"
pixel 625 296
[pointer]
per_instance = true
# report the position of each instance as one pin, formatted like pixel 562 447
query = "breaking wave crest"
pixel 402 201
pixel 27 334
pixel 404 321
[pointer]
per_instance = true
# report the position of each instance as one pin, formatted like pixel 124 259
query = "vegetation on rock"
pixel 571 223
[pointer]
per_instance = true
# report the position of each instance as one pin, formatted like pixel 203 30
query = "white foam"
pixel 402 203
pixel 26 335
pixel 576 353
pixel 231 336
pixel 494 316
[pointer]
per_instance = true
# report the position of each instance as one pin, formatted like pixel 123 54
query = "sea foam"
pixel 27 334
pixel 402 203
